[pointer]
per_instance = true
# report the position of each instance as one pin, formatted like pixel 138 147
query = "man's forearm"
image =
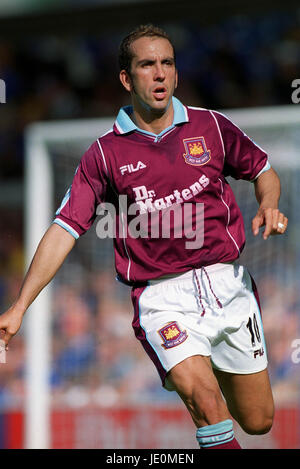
pixel 267 189
pixel 49 256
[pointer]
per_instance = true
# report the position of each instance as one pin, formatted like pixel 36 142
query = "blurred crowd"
pixel 241 62
pixel 96 360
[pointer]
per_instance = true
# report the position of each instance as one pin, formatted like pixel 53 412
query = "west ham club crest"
pixel 196 153
pixel 172 335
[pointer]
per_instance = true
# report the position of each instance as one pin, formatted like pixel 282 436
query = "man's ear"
pixel 126 81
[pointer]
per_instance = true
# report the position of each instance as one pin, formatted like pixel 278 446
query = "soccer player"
pixel 196 308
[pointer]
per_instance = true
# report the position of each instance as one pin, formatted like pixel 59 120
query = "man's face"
pixel 153 76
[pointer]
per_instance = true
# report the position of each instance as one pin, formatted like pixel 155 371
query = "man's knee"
pixel 257 424
pixel 206 406
pixel 197 386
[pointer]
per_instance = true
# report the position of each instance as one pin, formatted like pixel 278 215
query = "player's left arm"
pixel 267 191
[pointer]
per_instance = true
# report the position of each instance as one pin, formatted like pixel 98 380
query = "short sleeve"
pixel 77 211
pixel 243 158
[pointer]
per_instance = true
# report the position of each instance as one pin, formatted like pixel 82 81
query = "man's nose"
pixel 159 74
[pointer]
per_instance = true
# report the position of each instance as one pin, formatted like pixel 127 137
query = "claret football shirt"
pixel 174 209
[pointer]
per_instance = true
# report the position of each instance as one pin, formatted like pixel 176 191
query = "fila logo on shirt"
pixel 130 168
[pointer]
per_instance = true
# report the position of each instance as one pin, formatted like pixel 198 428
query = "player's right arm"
pixel 49 256
pixel 74 218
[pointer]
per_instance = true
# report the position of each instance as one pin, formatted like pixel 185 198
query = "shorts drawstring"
pixel 216 298
pixel 199 290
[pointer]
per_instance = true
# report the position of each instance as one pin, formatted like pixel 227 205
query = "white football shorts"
pixel 212 311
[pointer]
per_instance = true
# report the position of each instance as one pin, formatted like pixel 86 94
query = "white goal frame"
pixel 39 212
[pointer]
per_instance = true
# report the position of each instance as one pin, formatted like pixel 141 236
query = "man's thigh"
pixel 249 399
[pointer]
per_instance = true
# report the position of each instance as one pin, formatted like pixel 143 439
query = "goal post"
pixel 276 129
pixel 39 211
pixel 37 215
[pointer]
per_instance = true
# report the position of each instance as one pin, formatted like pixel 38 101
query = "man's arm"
pixel 49 256
pixel 267 191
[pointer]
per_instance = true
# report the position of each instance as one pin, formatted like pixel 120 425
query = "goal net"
pixel 89 383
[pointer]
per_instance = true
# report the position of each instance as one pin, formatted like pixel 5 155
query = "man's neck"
pixel 153 122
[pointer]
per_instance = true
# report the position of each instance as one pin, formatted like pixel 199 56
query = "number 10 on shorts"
pixel 255 337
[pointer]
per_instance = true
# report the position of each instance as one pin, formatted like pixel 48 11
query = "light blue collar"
pixel 125 125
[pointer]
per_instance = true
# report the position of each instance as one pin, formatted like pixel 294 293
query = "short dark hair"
pixel 125 52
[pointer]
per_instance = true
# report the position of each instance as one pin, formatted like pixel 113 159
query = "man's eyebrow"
pixel 169 58
pixel 151 61
pixel 142 61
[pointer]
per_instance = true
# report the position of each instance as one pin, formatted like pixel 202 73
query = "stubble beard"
pixel 156 112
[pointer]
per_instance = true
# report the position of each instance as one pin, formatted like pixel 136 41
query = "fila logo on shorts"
pixel 130 168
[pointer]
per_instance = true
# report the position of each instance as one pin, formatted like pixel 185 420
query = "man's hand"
pixel 274 221
pixel 10 323
pixel 267 191
pixel 49 256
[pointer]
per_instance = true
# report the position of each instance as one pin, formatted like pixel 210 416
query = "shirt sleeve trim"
pixel 67 227
pixel 264 169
